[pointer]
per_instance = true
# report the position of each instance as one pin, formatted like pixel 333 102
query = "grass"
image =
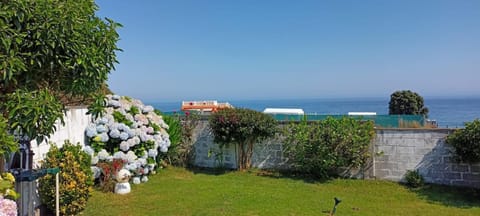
pixel 176 191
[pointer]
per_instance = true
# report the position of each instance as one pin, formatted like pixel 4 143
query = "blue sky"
pixel 249 49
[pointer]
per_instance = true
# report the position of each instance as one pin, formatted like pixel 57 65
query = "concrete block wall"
pixel 395 151
pixel 425 150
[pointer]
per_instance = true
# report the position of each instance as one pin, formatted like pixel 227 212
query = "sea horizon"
pixel 450 112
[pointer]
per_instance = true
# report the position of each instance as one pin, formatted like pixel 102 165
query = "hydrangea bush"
pixel 130 131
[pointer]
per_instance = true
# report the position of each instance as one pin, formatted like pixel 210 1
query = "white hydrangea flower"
pixel 129 117
pixel 147 109
pixel 119 155
pixel 124 146
pixel 141 119
pixel 110 158
pixel 116 97
pixel 163 149
pixel 136 180
pixel 131 157
pixel 131 166
pixel 94 160
pixel 150 130
pixel 152 153
pixel 144 137
pixel 113 103
pixel 142 161
pixel 103 154
pixel 144 179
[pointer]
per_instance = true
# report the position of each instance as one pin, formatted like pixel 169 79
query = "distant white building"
pixel 286 111
pixel 361 113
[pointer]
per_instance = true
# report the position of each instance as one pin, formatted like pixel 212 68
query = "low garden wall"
pixel 394 152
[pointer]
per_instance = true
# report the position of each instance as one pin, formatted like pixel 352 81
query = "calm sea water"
pixel 449 112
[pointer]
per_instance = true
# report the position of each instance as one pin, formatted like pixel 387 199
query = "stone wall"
pixel 395 151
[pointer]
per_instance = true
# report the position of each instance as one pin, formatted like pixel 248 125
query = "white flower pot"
pixel 122 188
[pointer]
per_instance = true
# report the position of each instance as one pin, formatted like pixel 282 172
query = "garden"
pixel 137 161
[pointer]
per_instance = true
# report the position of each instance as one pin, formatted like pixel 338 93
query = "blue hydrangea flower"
pixel 152 153
pixel 123 136
pixel 114 133
pixel 89 150
pixel 103 120
pixel 104 137
pixel 91 131
pixel 130 132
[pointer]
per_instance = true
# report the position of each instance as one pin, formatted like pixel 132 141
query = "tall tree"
pixel 50 49
pixel 406 102
pixel 55 44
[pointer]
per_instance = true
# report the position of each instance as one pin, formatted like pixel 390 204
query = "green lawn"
pixel 176 191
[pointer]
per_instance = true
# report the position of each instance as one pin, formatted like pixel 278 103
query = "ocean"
pixel 448 112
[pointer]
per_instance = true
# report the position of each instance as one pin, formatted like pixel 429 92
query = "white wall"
pixel 76 120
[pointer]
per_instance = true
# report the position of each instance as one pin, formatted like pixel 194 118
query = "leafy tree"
pixel 244 128
pixel 407 102
pixel 7 142
pixel 466 142
pixel 51 50
pixel 54 44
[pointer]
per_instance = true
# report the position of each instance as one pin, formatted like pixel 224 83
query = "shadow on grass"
pixel 209 171
pixel 286 174
pixel 459 197
pixel 261 172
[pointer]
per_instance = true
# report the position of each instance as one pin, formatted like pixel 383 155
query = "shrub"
pixel 75 178
pixel 466 142
pixel 180 131
pixel 129 131
pixel 244 128
pixel 414 179
pixel 321 148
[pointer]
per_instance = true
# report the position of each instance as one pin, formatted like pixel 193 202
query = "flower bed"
pixel 129 131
